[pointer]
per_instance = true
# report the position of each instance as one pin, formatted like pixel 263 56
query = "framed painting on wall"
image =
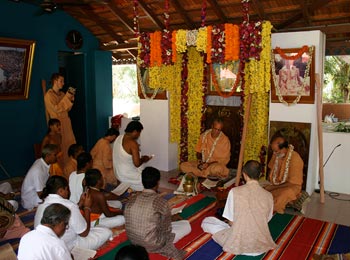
pixel 143 78
pixel 16 59
pixel 293 75
pixel 225 78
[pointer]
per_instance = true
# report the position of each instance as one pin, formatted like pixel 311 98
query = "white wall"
pixel 155 138
pixel 302 112
pixel 336 171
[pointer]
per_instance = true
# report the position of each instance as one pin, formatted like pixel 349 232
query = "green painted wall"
pixel 22 122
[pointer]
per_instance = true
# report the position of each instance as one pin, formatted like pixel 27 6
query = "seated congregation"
pixel 76 210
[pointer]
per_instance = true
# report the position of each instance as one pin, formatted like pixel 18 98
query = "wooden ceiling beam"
pixel 119 47
pixel 316 4
pixel 150 14
pixel 217 10
pixel 183 14
pixel 259 9
pixel 120 15
pixel 305 9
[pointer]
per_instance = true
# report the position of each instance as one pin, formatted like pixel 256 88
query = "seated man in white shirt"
pixel 35 180
pixel 248 210
pixel 76 185
pixel 44 242
pixel 80 232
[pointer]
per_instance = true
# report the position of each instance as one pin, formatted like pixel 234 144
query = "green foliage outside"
pixel 337 75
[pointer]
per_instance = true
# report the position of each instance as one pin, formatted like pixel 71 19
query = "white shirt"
pixel 77 223
pixel 76 186
pixel 34 182
pixel 42 244
pixel 229 208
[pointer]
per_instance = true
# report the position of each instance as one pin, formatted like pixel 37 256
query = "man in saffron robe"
pixel 213 153
pixel 58 104
pixel 286 173
pixel 102 156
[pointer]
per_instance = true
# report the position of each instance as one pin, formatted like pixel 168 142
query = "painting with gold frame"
pixel 289 74
pixel 144 73
pixel 223 77
pixel 16 59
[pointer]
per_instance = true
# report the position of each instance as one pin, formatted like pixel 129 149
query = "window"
pixel 125 92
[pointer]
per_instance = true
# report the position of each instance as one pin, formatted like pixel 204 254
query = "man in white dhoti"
pixel 127 162
pixel 248 209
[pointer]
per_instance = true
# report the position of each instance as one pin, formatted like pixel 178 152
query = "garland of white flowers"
pixel 139 78
pixel 306 75
pixel 212 148
pixel 286 170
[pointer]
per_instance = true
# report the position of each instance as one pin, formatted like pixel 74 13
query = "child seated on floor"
pixel 101 213
pixel 54 136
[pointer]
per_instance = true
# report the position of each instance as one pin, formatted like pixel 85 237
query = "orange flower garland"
pixel 292 57
pixel 173 46
pixel 156 50
pixel 231 42
pixel 216 85
pixel 209 29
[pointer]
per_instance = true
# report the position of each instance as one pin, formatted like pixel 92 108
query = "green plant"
pixel 342 127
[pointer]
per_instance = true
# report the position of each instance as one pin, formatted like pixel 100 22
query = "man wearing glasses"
pixel 213 153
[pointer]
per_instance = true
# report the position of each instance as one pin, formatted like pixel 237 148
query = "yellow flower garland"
pixel 258 82
pixel 202 39
pixel 195 101
pixel 181 43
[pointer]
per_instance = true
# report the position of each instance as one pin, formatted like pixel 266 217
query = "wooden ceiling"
pixel 111 21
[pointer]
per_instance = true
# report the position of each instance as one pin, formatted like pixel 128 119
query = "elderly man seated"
pixel 213 153
pixel 286 173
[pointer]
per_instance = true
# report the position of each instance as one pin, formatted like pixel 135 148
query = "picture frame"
pixel 290 76
pixel 144 73
pixel 224 76
pixel 16 60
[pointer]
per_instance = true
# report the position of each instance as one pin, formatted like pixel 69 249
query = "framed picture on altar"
pixel 16 58
pixel 224 78
pixel 145 89
pixel 293 75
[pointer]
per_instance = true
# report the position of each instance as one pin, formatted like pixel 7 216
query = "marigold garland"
pixel 195 100
pixel 257 83
pixel 181 44
pixel 173 46
pixel 231 42
pixel 303 49
pixel 201 44
pixel 209 45
pixel 183 145
pixel 156 50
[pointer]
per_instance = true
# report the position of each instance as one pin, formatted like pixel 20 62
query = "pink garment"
pixel 249 232
pixel 17 230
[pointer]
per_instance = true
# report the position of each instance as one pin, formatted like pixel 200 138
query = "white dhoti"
pixel 213 225
pixel 96 238
pixel 180 228
pixel 109 222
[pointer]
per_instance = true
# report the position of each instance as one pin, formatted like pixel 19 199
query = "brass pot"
pixel 188 187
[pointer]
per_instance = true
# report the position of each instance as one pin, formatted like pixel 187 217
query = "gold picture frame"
pixel 295 67
pixel 16 59
pixel 224 76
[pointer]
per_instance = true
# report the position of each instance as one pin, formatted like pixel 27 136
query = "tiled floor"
pixel 335 210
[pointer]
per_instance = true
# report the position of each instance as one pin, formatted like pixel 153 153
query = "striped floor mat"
pixel 297 237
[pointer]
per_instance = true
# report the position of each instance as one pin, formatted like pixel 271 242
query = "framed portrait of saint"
pixel 293 75
pixel 225 78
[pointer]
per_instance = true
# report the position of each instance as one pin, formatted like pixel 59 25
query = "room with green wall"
pixel 22 122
